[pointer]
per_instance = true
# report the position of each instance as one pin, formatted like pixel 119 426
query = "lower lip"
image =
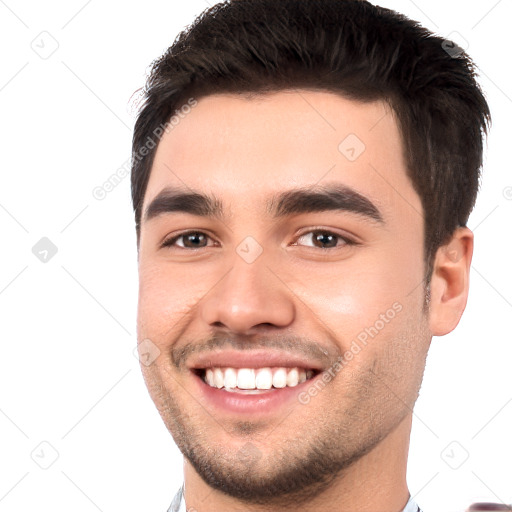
pixel 241 403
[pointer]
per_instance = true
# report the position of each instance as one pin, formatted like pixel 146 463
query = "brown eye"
pixel 324 239
pixel 189 240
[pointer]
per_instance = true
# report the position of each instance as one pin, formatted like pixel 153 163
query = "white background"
pixel 68 377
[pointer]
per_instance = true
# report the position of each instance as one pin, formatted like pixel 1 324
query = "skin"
pixel 357 428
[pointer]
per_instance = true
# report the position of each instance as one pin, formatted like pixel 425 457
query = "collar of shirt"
pixel 178 504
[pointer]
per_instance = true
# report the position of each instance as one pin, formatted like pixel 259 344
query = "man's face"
pixel 330 286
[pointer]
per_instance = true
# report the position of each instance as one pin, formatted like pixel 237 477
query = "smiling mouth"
pixel 254 380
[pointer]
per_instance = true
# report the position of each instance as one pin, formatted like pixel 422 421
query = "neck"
pixel 377 481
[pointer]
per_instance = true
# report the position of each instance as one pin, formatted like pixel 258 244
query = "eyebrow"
pixel 291 202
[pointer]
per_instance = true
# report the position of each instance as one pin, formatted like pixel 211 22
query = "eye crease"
pixel 327 237
pixel 320 236
pixel 197 235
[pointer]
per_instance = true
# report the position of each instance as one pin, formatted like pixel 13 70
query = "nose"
pixel 249 296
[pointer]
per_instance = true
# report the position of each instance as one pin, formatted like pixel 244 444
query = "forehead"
pixel 247 149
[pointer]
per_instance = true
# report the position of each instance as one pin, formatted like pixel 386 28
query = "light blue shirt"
pixel 178 504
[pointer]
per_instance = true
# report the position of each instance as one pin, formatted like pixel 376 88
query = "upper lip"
pixel 252 359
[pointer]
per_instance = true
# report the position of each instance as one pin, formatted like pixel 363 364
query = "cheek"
pixel 165 301
pixel 359 296
pixel 375 321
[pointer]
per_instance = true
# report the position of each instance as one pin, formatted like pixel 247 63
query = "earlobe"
pixel 449 285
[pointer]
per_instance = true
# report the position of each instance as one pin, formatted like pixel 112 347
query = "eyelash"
pixel 346 241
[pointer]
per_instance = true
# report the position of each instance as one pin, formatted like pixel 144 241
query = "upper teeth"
pixel 255 378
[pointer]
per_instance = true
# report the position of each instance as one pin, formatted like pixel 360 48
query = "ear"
pixel 449 285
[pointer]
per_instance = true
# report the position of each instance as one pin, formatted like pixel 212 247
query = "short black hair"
pixel 350 47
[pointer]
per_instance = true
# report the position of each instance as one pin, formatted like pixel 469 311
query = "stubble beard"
pixel 296 471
